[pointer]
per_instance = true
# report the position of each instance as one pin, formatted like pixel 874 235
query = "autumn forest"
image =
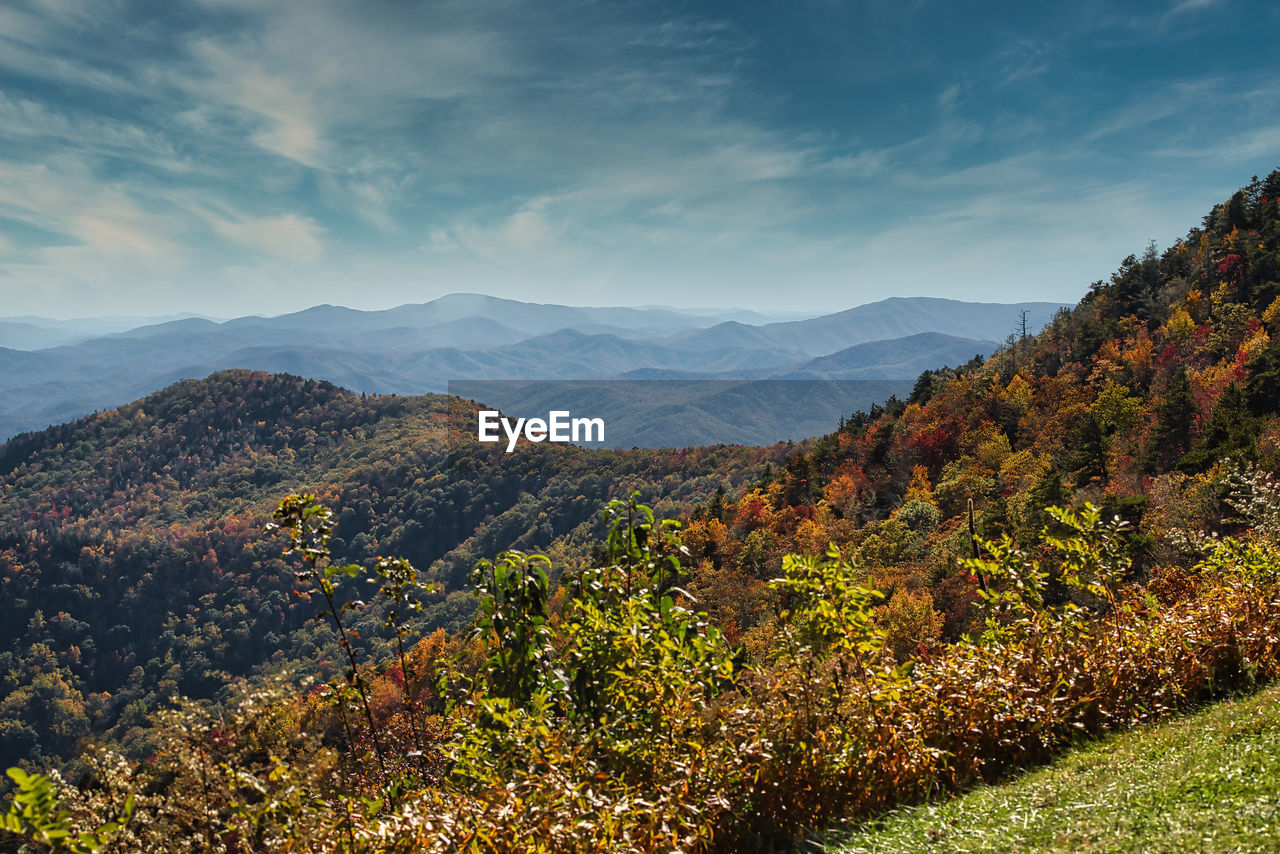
pixel 260 612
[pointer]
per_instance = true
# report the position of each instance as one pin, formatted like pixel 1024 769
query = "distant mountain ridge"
pixel 896 317
pixel 31 332
pixel 529 318
pixel 898 358
pixel 420 348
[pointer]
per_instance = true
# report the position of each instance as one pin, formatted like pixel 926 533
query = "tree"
pixel 1175 415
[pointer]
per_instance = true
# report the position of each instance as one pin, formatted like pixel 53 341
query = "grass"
pixel 1206 782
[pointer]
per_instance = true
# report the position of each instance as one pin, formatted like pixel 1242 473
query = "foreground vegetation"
pixel 1205 782
pixel 620 719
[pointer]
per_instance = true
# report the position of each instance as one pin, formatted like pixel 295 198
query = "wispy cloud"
pixel 1261 142
pixel 1185 6
pixel 288 237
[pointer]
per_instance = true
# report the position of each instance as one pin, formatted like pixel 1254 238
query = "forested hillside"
pixel 1135 400
pixel 133 565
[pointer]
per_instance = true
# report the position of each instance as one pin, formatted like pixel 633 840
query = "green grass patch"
pixel 1206 782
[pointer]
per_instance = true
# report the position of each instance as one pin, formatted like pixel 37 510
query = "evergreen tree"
pixel 1172 436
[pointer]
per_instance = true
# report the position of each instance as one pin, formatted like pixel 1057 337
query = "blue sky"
pixel 237 156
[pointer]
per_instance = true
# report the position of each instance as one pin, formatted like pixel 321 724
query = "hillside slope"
pixel 1134 400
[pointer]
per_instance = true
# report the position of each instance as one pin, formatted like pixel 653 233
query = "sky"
pixel 233 157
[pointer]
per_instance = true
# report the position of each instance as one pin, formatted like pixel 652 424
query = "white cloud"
pixel 289 126
pixel 1192 6
pixel 287 237
pixel 947 97
pixel 1256 144
pixel 28 121
pixel 111 233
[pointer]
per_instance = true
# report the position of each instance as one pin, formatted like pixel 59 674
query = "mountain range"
pixel 420 348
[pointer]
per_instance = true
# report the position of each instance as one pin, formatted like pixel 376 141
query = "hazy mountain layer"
pixel 415 349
